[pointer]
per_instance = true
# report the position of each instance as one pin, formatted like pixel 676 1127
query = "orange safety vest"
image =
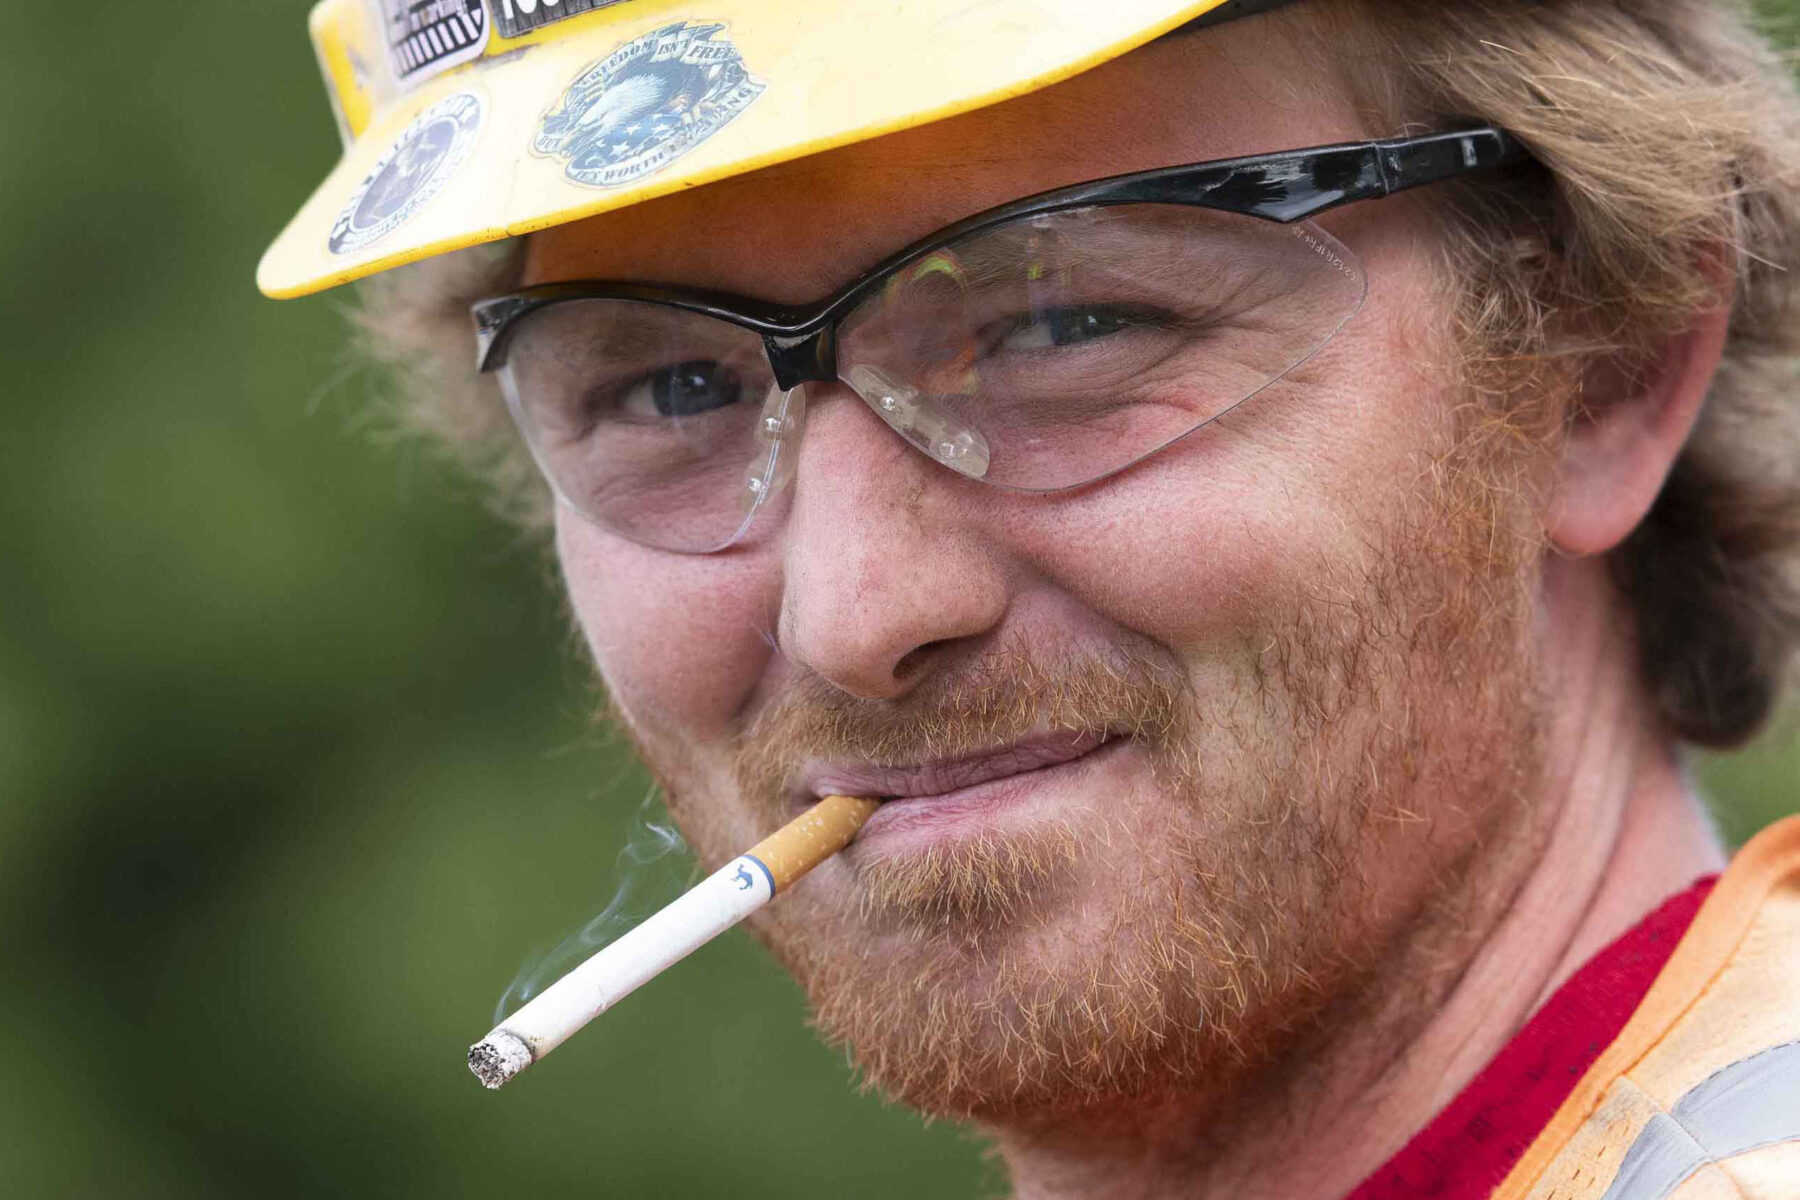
pixel 1698 1098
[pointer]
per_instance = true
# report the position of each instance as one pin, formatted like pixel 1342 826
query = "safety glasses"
pixel 1038 346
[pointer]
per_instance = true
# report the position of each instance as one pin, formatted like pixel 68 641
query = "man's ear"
pixel 1632 423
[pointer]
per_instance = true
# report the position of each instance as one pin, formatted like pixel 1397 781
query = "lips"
pixel 949 780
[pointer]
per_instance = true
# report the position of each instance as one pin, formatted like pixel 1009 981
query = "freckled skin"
pixel 875 532
pixel 889 570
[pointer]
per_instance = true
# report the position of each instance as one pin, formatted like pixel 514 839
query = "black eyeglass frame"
pixel 1283 187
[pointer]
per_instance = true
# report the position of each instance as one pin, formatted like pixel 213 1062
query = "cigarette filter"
pixel 712 906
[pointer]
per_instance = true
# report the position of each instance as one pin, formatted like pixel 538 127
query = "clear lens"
pixel 1039 354
pixel 1071 345
pixel 649 420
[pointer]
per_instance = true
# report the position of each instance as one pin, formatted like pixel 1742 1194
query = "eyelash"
pixel 1130 317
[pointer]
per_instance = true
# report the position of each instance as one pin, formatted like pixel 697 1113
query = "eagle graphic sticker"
pixel 421 160
pixel 646 104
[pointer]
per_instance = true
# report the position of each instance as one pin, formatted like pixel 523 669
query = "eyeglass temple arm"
pixel 1304 183
pixel 1413 162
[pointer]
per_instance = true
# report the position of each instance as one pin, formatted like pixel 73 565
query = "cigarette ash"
pixel 652 868
pixel 499 1058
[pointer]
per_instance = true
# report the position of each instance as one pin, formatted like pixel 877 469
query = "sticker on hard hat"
pixel 646 104
pixel 521 16
pixel 428 37
pixel 415 168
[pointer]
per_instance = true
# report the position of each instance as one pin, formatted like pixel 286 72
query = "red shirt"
pixel 1467 1150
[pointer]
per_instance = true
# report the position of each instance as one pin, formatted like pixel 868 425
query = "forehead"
pixel 796 231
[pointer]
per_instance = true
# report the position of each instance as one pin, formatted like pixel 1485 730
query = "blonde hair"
pixel 1668 133
pixel 1669 137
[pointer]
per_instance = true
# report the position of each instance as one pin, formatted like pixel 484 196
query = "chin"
pixel 1059 965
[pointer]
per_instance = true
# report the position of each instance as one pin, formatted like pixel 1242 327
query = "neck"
pixel 1625 832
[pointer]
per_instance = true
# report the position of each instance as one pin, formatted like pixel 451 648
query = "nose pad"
pixel 778 432
pixel 916 418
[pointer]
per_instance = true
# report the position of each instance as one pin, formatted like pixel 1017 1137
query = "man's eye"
pixel 684 390
pixel 1054 327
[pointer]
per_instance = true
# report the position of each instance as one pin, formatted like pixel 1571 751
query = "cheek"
pixel 680 640
pixel 1209 543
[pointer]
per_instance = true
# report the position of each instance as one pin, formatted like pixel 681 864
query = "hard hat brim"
pixel 518 139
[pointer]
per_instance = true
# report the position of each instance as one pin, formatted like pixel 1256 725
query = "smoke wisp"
pixel 652 868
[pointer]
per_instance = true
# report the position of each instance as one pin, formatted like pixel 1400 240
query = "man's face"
pixel 1193 763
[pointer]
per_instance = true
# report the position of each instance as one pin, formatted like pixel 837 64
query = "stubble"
pixel 1323 838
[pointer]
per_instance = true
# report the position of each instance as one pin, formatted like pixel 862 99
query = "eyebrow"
pixel 993 256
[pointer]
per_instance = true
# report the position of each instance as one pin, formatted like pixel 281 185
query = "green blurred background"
pixel 296 765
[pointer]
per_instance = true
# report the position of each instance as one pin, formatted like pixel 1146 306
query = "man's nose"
pixel 887 571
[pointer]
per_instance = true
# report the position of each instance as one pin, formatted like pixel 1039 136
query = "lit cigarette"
pixel 712 906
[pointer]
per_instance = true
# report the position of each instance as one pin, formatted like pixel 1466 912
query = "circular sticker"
pixel 422 159
pixel 646 104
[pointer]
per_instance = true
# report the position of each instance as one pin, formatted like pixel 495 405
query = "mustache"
pixel 1005 695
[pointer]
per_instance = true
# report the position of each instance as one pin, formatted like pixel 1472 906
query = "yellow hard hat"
pixel 467 121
